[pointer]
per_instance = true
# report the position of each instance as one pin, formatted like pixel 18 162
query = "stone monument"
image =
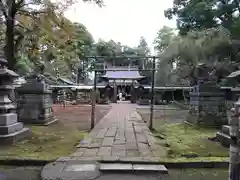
pixel 10 129
pixel 207 102
pixel 230 137
pixel 35 99
pixel 223 136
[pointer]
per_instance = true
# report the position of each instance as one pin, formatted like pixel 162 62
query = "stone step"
pixel 133 167
pixel 9 129
pixel 14 137
pixel 223 138
pixel 77 170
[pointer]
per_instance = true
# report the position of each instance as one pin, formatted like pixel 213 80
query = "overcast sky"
pixel 123 21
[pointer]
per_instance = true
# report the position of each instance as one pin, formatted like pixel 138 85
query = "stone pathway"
pixel 121 135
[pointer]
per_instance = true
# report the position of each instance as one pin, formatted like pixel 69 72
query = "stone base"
pixel 223 136
pixel 224 139
pixel 143 102
pixel 14 137
pixel 83 101
pixel 42 122
pixel 9 129
pixel 103 101
pixel 206 121
pixel 54 120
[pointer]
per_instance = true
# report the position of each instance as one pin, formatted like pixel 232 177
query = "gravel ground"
pixel 79 115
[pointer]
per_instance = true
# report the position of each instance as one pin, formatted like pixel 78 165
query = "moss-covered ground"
pixel 181 142
pixel 187 143
pixel 45 143
pixel 56 140
pixel 198 174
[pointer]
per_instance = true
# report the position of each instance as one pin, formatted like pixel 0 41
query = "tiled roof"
pixel 123 74
pixel 65 80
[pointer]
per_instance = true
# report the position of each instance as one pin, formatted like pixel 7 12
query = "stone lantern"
pixel 207 101
pixel 10 129
pixel 35 99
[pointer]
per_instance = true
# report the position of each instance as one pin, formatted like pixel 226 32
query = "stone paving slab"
pixel 104 151
pixel 90 152
pixel 102 133
pixel 108 141
pixel 111 132
pixel 121 135
pixel 149 167
pixel 117 166
pixel 119 150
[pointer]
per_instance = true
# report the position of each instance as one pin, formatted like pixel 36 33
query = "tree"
pixel 210 47
pixel 164 37
pixel 143 46
pixel 34 9
pixel 204 14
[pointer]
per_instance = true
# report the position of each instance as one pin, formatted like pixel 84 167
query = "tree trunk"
pixel 9 48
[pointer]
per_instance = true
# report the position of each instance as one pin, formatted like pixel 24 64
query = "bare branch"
pixel 18 41
pixel 19 25
pixel 27 4
pixel 31 13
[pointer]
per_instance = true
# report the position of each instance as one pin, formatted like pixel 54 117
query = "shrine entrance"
pixel 123 80
pixel 126 92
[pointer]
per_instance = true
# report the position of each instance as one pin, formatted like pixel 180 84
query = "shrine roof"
pixel 122 73
pixel 65 80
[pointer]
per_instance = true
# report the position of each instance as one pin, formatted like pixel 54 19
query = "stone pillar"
pixel 223 136
pixel 35 102
pixel 207 105
pixel 234 150
pixel 10 129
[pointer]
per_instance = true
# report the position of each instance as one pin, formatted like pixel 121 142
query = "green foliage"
pixel 210 46
pixel 24 66
pixel 204 14
pixel 40 25
pixel 164 37
pixel 112 49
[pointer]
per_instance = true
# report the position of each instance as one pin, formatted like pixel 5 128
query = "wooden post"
pixel 132 91
pixel 152 94
pixel 94 100
pixel 114 91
